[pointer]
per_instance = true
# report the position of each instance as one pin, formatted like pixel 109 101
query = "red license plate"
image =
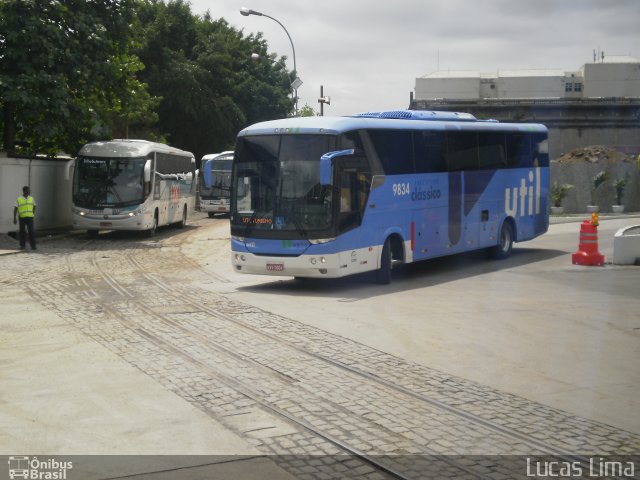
pixel 275 267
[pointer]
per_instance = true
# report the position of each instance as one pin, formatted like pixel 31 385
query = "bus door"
pixel 353 191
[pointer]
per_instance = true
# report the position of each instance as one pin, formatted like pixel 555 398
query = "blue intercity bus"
pixel 327 197
pixel 215 182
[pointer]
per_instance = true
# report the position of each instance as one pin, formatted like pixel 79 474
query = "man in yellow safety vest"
pixel 25 210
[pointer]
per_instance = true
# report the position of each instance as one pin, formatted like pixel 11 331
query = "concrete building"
pixel 599 104
pixel 613 77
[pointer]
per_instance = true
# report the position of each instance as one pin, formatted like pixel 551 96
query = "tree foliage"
pixel 75 70
pixel 202 70
pixel 62 64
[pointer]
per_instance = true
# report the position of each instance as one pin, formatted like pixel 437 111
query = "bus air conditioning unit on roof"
pixel 419 115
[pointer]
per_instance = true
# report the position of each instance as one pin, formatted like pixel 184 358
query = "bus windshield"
pixel 216 177
pixel 108 182
pixel 278 184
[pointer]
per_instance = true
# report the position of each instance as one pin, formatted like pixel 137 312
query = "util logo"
pixel 174 192
pixel 524 199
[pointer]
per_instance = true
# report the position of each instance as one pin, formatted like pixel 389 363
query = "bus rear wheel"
pixel 505 242
pixel 383 274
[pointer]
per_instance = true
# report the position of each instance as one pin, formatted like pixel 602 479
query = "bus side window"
pixel 491 150
pixel 518 149
pixel 430 150
pixel 354 191
pixel 345 193
pixel 540 149
pixel 394 149
pixel 462 151
pixel 349 217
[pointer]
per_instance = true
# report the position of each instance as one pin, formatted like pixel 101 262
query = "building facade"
pixel 599 104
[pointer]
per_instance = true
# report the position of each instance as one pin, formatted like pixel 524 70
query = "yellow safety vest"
pixel 25 207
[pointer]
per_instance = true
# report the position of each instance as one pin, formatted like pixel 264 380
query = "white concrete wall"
pixel 531 87
pixel 599 80
pixel 612 80
pixel 50 183
pixel 447 88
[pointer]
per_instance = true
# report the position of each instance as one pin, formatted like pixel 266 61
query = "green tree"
pixel 63 64
pixel 73 71
pixel 307 111
pixel 202 70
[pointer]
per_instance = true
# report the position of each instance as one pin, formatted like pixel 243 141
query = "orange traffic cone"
pixel 587 253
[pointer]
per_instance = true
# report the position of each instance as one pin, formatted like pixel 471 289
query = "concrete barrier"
pixel 626 246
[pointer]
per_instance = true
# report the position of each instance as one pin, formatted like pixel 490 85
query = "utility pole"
pixel 322 100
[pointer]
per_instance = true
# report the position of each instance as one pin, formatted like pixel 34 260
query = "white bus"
pixel 132 185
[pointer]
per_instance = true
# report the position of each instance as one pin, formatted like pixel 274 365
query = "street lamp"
pixel 296 82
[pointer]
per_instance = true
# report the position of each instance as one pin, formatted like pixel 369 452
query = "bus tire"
pixel 505 242
pixel 383 274
pixel 152 231
pixel 183 222
pixel 211 214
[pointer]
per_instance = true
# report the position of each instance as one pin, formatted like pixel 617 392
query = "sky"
pixel 367 54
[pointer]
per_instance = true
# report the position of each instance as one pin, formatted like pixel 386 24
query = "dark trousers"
pixel 27 223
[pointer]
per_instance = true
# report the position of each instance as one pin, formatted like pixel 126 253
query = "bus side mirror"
pixel 147 171
pixel 326 165
pixel 67 170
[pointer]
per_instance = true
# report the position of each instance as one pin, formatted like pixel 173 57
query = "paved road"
pixel 458 356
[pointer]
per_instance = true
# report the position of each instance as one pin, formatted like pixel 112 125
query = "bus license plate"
pixel 275 267
pixel 105 224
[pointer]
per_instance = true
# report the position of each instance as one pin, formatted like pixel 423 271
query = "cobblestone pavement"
pixel 323 404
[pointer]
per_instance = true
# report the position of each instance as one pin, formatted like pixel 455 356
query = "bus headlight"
pixel 318 241
pixel 239 257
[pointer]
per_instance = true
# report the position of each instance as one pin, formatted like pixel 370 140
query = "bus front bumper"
pixel 312 266
pixel 86 221
pixel 214 206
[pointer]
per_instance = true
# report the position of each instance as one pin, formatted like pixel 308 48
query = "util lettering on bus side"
pixel 525 198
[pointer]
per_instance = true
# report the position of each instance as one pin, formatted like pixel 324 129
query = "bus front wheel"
pixel 183 222
pixel 505 242
pixel 383 274
pixel 152 231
